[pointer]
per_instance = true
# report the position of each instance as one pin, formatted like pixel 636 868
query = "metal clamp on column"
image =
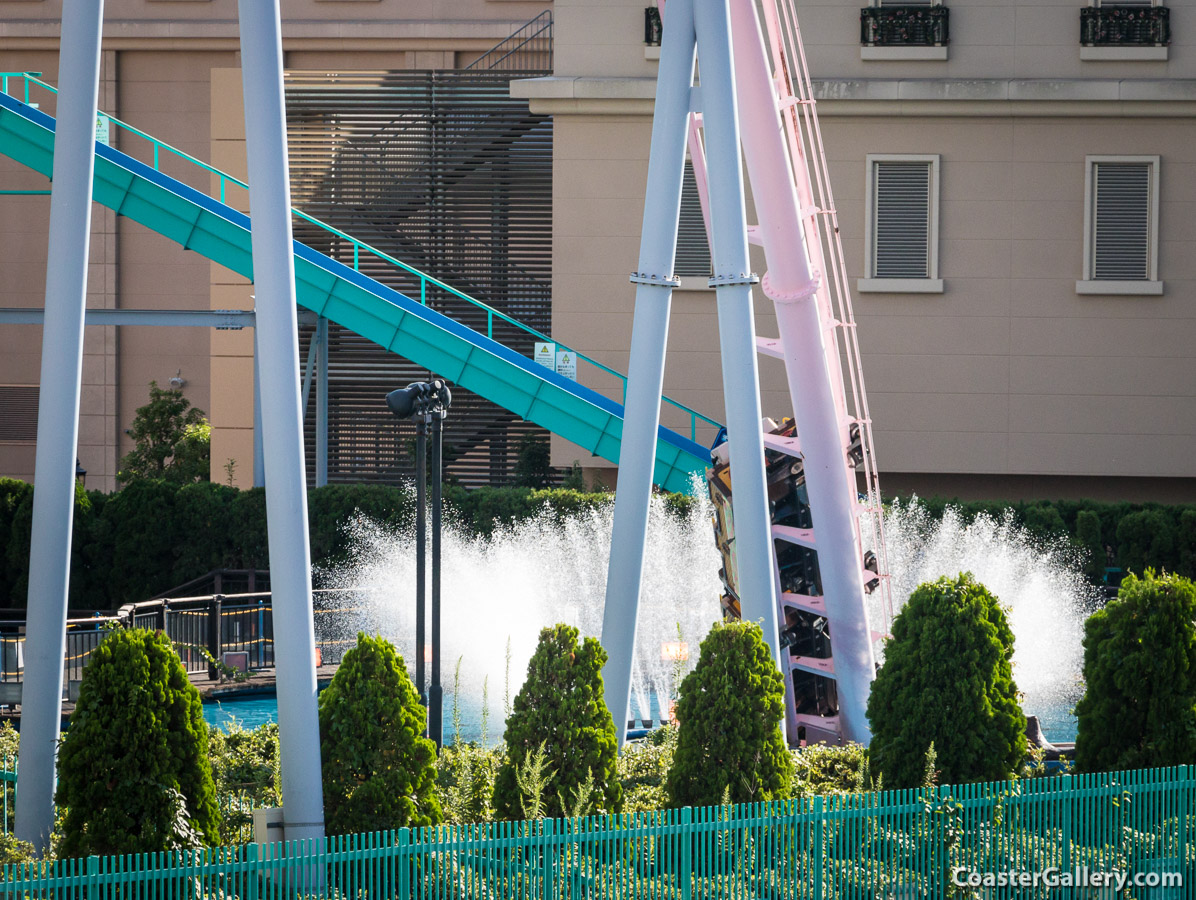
pixel 803 293
pixel 728 280
pixel 669 281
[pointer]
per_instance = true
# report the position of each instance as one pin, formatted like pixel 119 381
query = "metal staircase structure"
pixel 801 537
pixel 341 293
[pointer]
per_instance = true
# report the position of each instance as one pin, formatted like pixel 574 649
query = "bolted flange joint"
pixel 805 292
pixel 668 281
pixel 729 280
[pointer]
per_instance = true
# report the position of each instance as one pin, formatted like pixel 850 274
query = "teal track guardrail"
pixel 879 846
pixel 345 295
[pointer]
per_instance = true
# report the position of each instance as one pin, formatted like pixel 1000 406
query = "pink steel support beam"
pixel 819 407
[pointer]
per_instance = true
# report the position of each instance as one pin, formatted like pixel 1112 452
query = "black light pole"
pixel 427 403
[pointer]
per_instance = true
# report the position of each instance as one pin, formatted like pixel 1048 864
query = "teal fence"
pixel 892 844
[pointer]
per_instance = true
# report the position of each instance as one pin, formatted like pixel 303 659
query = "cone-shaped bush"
pixel 560 706
pixel 133 770
pixel 1139 706
pixel 379 769
pixel 947 679
pixel 730 710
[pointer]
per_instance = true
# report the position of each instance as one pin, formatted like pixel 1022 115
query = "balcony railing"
pixel 904 26
pixel 1121 26
pixel 653 28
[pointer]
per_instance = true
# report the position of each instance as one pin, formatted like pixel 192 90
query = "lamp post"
pixel 427 403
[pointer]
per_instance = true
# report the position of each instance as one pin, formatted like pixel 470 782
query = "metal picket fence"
pixel 880 846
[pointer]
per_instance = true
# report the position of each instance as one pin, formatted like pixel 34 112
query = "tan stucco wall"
pixel 1007 375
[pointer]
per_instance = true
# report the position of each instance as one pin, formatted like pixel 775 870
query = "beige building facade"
pixel 1010 367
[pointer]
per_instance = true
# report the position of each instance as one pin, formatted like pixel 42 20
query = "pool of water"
pixel 250 711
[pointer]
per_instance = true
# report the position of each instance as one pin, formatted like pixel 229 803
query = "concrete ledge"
pixel 903 53
pixel 899 285
pixel 1135 288
pixel 1139 54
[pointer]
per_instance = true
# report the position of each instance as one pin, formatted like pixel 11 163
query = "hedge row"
pixel 153 535
pixel 1139 535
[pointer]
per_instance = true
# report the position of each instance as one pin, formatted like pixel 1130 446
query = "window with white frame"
pixel 1121 226
pixel 901 230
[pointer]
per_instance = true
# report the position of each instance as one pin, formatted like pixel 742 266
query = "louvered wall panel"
pixel 1121 230
pixel 693 246
pixel 902 220
pixel 446 172
pixel 18 413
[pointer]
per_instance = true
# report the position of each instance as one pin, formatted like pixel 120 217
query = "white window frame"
pixel 932 284
pixel 1145 287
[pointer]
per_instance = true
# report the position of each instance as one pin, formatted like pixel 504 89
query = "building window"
pixel 1121 226
pixel 908 24
pixel 901 237
pixel 693 247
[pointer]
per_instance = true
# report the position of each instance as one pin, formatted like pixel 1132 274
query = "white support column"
pixel 793 286
pixel 321 338
pixel 58 416
pixel 282 429
pixel 645 371
pixel 259 456
pixel 736 323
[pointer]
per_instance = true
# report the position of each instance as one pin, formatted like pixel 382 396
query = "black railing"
pixel 1121 26
pixel 202 630
pixel 653 28
pixel 528 49
pixel 904 26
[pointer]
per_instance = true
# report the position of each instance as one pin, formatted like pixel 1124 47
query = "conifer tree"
pixel 947 681
pixel 562 709
pixel 379 769
pixel 1139 706
pixel 730 709
pixel 133 770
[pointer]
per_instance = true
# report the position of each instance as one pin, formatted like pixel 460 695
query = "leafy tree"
pixel 1139 707
pixel 173 440
pixel 561 708
pixel 533 467
pixel 133 770
pixel 379 770
pixel 947 680
pixel 730 709
pixel 1145 537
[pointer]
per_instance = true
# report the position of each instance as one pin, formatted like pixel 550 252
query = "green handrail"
pixel 224 179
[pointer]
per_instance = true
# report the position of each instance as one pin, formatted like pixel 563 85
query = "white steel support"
pixel 58 416
pixel 259 455
pixel 645 371
pixel 281 417
pixel 793 285
pixel 321 339
pixel 736 322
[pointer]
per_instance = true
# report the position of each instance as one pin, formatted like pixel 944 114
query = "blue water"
pixel 254 710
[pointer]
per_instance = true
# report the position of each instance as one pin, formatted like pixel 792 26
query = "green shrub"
pixel 1144 537
pixel 245 770
pixel 644 770
pixel 561 708
pixel 1139 706
pixel 133 769
pixel 379 770
pixel 730 709
pixel 820 769
pixel 14 852
pixel 947 679
pixel 1088 538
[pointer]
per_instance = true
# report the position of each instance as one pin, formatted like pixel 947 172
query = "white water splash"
pixel 1038 582
pixel 524 577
